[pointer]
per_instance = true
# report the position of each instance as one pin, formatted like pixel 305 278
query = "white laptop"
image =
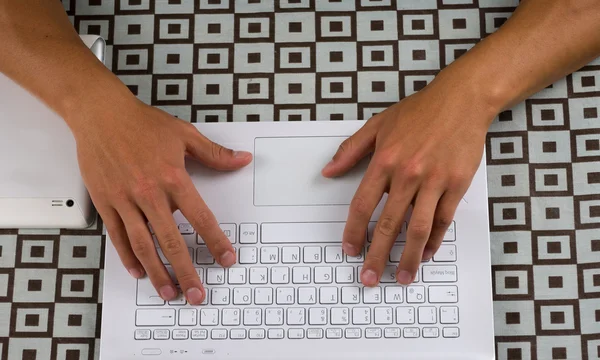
pixel 287 299
pixel 40 182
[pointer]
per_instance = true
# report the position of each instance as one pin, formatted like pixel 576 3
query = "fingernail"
pixel 194 296
pixel 369 278
pixel 135 273
pixel 404 277
pixel 427 254
pixel 228 259
pixel 167 292
pixel 348 249
pixel 241 154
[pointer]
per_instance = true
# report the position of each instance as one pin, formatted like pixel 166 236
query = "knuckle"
pixel 139 246
pixel 346 145
pixel 172 245
pixel 174 179
pixel 360 207
pixel 202 219
pixel 413 169
pixel 443 222
pixel 385 159
pixel 388 226
pixel 458 181
pixel 146 190
pixel 376 258
pixel 217 150
pixel 419 231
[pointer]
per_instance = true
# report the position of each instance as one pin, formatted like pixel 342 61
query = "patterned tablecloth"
pixel 220 60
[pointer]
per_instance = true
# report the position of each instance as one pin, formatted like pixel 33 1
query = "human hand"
pixel 426 150
pixel 132 159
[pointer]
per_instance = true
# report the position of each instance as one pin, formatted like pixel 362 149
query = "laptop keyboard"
pixel 295 282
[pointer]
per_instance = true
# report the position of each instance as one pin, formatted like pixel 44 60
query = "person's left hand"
pixel 426 150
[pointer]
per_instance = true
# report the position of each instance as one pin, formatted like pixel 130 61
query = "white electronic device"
pixel 293 294
pixel 40 182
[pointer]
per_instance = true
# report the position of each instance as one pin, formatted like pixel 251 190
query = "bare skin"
pixel 139 174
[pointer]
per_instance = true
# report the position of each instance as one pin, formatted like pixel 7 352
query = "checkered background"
pixel 299 60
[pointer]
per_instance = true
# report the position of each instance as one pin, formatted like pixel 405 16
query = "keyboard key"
pixel 334 333
pixel 258 275
pixel 415 294
pixel 248 233
pixel 263 296
pixel 215 276
pixel 353 333
pixel 237 334
pixel 361 316
pixel 301 275
pixel 155 317
pixel 236 275
pixel 372 333
pixel 383 315
pixel 328 295
pixel 280 275
pixel 443 294
pixel 285 295
pixel 179 300
pixel 209 317
pixel 333 254
pixel 312 254
pixel 203 256
pixel 242 296
pixel 199 334
pixel 314 333
pixel 295 333
pixel 431 332
pixel 218 334
pixel 350 295
pixel 307 295
pixel 180 334
pixel 427 315
pixel 146 293
pixel 142 334
pixel 439 273
pixel 256 334
pixel 405 315
pixel 389 275
pixel 185 228
pixel 252 316
pixel 372 295
pixel 317 316
pixel 269 255
pixel 188 317
pixel 391 333
pixel 290 255
pixel 445 253
pixel 411 332
pixel 450 234
pixel 298 233
pixel 248 255
pixel 230 317
pixel 295 316
pixel 273 316
pixel 229 231
pixel 449 315
pixel 393 294
pixel 323 275
pixel 360 258
pixel 275 334
pixel 451 332
pixel 344 274
pixel 339 316
pixel 220 296
pixel 161 334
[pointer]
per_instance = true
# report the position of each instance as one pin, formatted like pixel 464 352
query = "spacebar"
pixel 302 232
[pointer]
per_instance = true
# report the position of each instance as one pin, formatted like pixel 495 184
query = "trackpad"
pixel 287 172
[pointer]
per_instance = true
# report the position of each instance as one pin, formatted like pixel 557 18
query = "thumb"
pixel 352 150
pixel 215 155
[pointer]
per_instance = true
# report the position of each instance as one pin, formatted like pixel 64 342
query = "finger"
pixel 365 200
pixel 145 251
pixel 419 229
pixel 174 248
pixel 352 150
pixel 442 219
pixel 118 235
pixel 196 211
pixel 386 231
pixel 215 155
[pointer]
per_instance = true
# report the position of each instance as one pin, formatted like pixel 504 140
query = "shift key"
pixel 440 273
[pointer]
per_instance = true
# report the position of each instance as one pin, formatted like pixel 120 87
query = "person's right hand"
pixel 132 159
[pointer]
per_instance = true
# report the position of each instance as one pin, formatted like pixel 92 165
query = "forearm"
pixel 42 52
pixel 543 41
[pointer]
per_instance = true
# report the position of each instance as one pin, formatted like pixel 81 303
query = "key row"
pixel 273 316
pixel 296 333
